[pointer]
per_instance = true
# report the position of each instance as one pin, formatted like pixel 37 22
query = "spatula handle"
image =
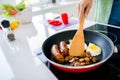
pixel 81 23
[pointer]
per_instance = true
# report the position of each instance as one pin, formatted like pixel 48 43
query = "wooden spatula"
pixel 77 45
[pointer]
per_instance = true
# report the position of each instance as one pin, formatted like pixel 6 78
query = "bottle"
pixel 7 30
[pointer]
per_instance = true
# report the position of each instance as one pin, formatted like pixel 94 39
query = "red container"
pixel 64 17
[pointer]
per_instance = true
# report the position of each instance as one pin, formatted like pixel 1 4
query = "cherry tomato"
pixel 11 11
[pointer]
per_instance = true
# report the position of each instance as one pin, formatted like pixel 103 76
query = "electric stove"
pixel 110 70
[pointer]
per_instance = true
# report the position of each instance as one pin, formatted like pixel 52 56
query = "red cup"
pixel 64 17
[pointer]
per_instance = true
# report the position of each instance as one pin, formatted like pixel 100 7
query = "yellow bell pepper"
pixel 14 24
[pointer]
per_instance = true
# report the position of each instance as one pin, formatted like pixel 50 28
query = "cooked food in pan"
pixel 56 54
pixel 93 49
pixel 60 53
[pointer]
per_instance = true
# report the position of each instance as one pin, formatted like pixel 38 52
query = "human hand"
pixel 84 7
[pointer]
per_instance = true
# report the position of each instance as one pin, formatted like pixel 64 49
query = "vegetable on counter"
pixel 10 10
pixel 14 24
pixel 55 22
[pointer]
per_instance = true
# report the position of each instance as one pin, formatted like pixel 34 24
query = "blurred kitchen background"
pixel 54 6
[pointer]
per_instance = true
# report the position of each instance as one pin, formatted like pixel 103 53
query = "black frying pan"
pixel 97 38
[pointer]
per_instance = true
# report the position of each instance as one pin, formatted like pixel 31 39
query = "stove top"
pixel 110 70
pixel 113 32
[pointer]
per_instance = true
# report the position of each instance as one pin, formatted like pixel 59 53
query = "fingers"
pixel 84 7
pixel 87 10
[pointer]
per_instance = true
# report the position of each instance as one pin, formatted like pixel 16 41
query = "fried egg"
pixel 93 49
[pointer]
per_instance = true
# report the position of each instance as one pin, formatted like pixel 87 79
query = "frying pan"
pixel 97 38
pixel 112 36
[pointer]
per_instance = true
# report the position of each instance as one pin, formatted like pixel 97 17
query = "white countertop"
pixel 18 59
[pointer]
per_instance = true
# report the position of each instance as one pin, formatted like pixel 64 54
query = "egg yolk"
pixel 94 47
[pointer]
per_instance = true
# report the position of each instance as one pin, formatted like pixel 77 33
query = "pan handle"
pixel 116 54
pixel 42 58
pixel 118 47
pixel 40 55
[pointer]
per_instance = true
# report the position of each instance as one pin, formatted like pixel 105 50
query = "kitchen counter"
pixel 18 59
